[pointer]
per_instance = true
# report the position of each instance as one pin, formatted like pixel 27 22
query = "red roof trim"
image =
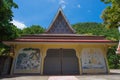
pixel 42 40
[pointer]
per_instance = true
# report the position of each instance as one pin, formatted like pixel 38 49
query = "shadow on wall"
pixel 5 65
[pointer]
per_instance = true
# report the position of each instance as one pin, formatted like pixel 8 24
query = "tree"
pixel 113 58
pixel 111 15
pixel 34 29
pixel 92 28
pixel 6 14
pixel 7 30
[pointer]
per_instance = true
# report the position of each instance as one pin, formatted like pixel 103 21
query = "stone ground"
pixel 114 75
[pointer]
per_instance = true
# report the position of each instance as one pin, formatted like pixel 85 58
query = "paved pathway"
pixel 115 75
pixel 63 78
pixel 86 77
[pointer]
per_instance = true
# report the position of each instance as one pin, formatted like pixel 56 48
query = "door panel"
pixel 52 63
pixel 52 66
pixel 69 62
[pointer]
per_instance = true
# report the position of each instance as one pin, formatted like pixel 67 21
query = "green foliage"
pixel 7 30
pixel 34 29
pixel 6 14
pixel 111 15
pixel 96 29
pixel 113 58
pixel 4 50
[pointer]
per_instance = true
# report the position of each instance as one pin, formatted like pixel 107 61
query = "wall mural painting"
pixel 28 59
pixel 93 60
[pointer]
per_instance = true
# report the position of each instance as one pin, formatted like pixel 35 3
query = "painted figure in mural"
pixel 28 59
pixel 92 58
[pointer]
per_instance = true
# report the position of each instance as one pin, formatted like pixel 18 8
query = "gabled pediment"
pixel 60 25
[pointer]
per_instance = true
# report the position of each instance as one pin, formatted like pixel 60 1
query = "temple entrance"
pixel 61 61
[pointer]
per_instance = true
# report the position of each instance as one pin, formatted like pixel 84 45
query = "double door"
pixel 61 62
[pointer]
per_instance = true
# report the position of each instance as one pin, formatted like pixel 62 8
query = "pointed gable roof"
pixel 60 25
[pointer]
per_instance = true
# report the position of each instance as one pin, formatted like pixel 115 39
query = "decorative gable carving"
pixel 60 25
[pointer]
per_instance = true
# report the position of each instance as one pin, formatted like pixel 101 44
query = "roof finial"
pixel 60 6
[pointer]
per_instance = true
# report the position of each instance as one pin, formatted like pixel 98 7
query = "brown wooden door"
pixel 61 61
pixel 52 62
pixel 69 62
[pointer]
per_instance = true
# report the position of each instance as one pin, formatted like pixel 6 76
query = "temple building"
pixel 60 51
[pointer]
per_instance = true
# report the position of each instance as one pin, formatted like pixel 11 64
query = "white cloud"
pixel 19 24
pixel 78 6
pixel 62 4
pixel 89 10
pixel 62 1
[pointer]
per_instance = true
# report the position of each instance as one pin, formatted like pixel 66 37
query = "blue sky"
pixel 41 12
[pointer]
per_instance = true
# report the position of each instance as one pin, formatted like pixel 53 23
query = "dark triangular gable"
pixel 60 25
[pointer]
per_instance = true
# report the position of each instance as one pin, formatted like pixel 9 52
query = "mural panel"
pixel 28 61
pixel 93 61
